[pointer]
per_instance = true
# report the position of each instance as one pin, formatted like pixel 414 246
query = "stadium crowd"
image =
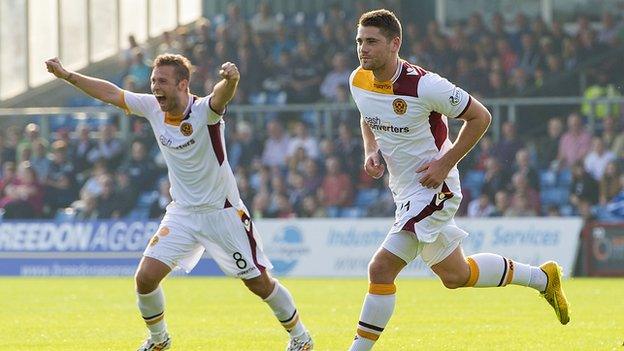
pixel 286 169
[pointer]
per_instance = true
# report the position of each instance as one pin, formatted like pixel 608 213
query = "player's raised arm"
pixel 97 88
pixel 224 91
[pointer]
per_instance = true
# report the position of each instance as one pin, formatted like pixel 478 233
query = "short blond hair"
pixel 181 64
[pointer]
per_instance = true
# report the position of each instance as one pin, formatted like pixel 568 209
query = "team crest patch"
pixel 186 129
pixel 399 106
pixel 164 231
pixel 456 98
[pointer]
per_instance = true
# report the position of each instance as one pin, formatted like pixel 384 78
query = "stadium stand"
pixel 287 167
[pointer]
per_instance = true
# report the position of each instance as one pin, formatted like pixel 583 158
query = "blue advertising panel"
pixel 95 248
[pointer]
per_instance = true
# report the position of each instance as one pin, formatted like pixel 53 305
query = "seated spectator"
pixel 484 151
pixel 349 151
pixel 109 147
pixel 523 166
pixel 264 22
pixel 501 204
pixel 139 70
pixel 481 207
pixel 141 169
pixel 108 203
pixel 40 161
pixel 276 146
pixel 283 207
pixel 312 176
pixel 336 190
pixel 523 192
pixel 23 197
pixel 9 176
pixel 612 137
pixel 85 209
pixel 81 148
pixel 508 145
pixel 583 191
pixel 158 207
pixel 127 192
pixel 609 183
pixel 60 184
pixel 548 146
pixel 339 75
pixel 310 208
pixel 260 205
pixel 92 186
pixel 521 207
pixel 575 143
pixel 31 135
pixel 597 159
pixel 302 139
pixel 495 178
pixel 615 207
pixel 243 147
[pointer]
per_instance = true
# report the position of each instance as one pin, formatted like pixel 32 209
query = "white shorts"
pixel 425 227
pixel 228 235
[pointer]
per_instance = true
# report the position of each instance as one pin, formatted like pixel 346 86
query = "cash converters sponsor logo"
pixel 286 249
pixel 168 143
pixel 375 124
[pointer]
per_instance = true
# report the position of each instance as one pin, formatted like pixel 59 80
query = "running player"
pixel 403 117
pixel 206 212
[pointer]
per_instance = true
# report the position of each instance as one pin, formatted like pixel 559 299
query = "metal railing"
pixel 323 114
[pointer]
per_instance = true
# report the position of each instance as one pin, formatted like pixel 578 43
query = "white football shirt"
pixel 408 118
pixel 194 151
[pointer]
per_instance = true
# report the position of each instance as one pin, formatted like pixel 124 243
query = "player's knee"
pixel 261 286
pixel 145 281
pixel 379 272
pixel 452 280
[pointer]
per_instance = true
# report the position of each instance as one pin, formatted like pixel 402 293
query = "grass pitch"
pixel 54 314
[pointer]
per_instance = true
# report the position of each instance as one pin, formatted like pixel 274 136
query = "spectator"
pixel 81 148
pixel 524 196
pixel 140 169
pixel 596 161
pixel 524 167
pixel 60 187
pixel 276 146
pixel 310 208
pixel 501 204
pixel 613 139
pixel 307 75
pixel 127 192
pixel 336 190
pixel 349 151
pixel 521 207
pixel 159 205
pixel 302 139
pixel 39 160
pixel 509 144
pixel 109 147
pixel 9 176
pixel 339 75
pixel 481 207
pixel 242 150
pixel 23 197
pixel 92 186
pixel 31 135
pixel 312 177
pixel 264 22
pixel 609 183
pixel 495 178
pixel 583 191
pixel 575 143
pixel 139 70
pixel 260 206
pixel 548 146
pixel 108 202
pixel 85 209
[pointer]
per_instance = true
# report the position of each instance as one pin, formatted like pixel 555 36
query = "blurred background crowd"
pixel 545 163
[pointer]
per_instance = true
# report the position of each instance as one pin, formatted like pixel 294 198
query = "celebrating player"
pixel 206 212
pixel 403 116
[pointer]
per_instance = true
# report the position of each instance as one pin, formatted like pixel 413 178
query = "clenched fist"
pixel 55 67
pixel 229 72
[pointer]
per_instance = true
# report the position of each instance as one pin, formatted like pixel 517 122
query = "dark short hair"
pixel 385 20
pixel 181 64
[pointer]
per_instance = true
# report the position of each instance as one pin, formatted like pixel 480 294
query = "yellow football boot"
pixel 554 291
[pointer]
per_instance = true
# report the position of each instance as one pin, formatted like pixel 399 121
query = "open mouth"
pixel 161 99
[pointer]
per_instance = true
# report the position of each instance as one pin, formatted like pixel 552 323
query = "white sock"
pixel 488 270
pixel 152 307
pixel 283 306
pixel 376 312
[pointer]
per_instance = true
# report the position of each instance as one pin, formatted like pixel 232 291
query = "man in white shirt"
pixel 206 212
pixel 404 111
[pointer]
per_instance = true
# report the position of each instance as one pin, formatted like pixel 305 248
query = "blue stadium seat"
pixel 473 181
pixel 547 178
pixel 554 196
pixel 366 197
pixel 352 212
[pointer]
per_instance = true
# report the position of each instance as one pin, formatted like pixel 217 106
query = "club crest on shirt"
pixel 399 106
pixel 186 128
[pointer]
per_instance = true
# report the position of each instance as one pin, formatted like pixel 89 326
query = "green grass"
pixel 220 314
